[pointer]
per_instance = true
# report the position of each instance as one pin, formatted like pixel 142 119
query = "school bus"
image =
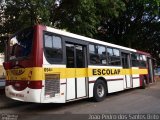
pixel 47 65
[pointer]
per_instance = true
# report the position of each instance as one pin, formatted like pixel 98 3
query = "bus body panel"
pixel 135 78
pixel 27 95
pixel 46 82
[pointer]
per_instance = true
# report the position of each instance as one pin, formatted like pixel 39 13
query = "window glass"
pixel 97 54
pixel 101 50
pixel 91 49
pixel 125 62
pixel 48 41
pixel 135 60
pixel 21 44
pixel 113 57
pixel 109 51
pixel 94 58
pixel 137 56
pixel 144 57
pixel 140 57
pixel 116 52
pixel 53 48
pixel 102 54
pixel 142 61
pixel 57 42
pixel 70 55
pixel 80 57
pixel 134 57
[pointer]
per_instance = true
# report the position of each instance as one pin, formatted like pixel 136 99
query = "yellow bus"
pixel 47 65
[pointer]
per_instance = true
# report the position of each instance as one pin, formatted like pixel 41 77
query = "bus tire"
pixel 144 84
pixel 99 91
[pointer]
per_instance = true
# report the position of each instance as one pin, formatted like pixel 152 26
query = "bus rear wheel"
pixel 144 84
pixel 99 91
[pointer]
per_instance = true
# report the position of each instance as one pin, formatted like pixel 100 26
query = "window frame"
pixel 137 59
pixel 95 47
pixel 144 61
pixel 62 45
pixel 23 57
pixel 113 56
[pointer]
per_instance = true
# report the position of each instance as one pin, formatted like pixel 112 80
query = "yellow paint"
pixel 38 73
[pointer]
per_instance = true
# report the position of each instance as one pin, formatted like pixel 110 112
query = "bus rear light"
pixel 35 84
pixel 19 85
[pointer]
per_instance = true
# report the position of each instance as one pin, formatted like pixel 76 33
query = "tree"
pixel 18 14
pixel 130 23
pixel 83 16
pixel 136 27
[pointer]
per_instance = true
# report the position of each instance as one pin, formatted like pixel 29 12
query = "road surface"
pixel 135 101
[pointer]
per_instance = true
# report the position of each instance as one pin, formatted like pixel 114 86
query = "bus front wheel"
pixel 99 91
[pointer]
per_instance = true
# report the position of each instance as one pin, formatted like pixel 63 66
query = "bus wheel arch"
pixel 144 81
pixel 100 89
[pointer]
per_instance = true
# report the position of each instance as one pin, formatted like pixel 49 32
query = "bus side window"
pixel 135 60
pixel 94 58
pixel 113 57
pixel 53 48
pixel 142 61
pixel 97 54
pixel 102 54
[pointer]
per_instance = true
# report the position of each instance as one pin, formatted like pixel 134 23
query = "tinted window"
pixel 125 60
pixel 48 41
pixel 135 60
pixel 97 54
pixel 142 61
pixel 70 56
pixel 80 57
pixel 75 56
pixel 94 58
pixel 109 51
pixel 21 44
pixel 53 48
pixel 113 57
pixel 92 49
pixel 116 52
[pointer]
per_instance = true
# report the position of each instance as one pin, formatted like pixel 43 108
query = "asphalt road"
pixel 135 101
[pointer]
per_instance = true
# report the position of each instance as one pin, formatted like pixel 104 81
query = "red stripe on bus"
pixel 20 85
pixel 135 77
pixel 116 79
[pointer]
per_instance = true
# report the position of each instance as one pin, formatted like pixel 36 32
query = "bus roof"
pixel 76 36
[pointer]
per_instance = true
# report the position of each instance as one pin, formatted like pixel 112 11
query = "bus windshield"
pixel 21 44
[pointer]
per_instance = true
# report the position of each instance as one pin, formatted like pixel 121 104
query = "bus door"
pixel 150 70
pixel 76 70
pixel 126 65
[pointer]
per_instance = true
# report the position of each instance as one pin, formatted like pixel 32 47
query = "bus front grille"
pixel 52 85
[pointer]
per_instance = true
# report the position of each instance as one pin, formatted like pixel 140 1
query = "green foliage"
pixel 136 27
pixel 22 13
pixel 84 16
pixel 76 16
pixel 131 23
pixel 18 14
